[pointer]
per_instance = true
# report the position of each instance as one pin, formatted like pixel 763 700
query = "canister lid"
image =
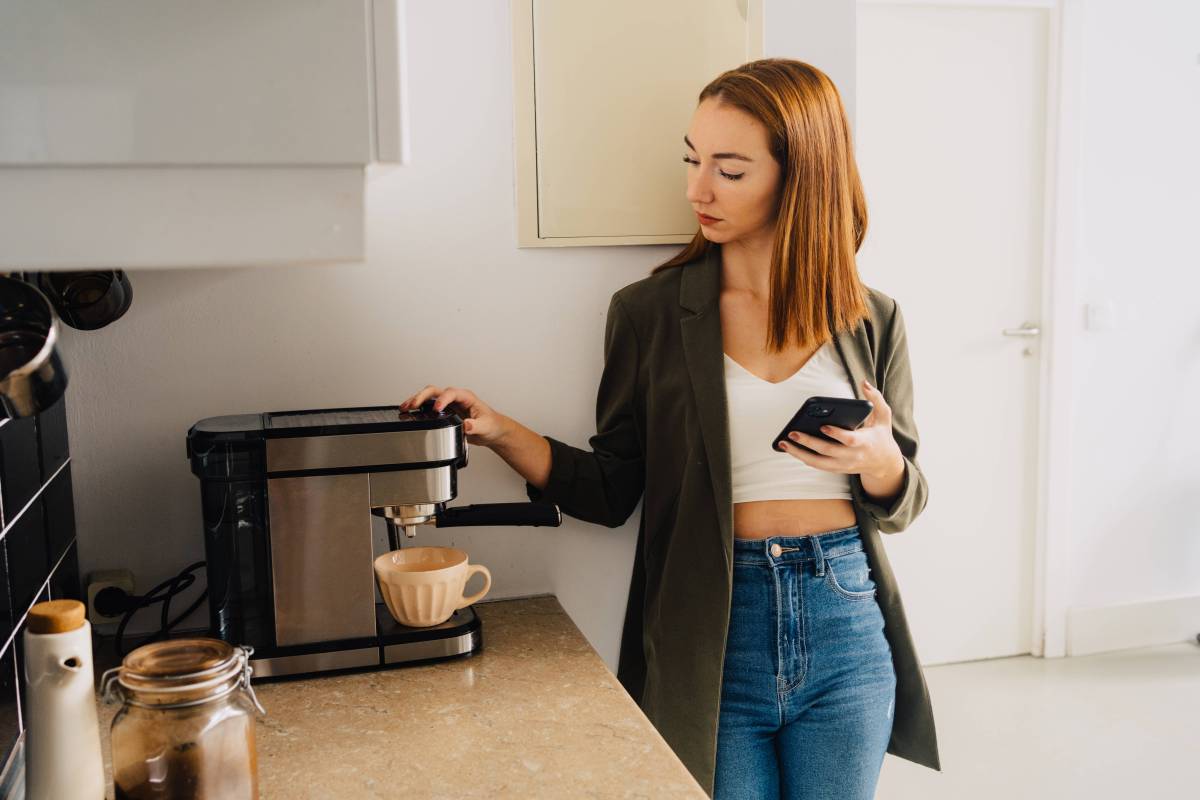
pixel 179 673
pixel 187 659
pixel 55 616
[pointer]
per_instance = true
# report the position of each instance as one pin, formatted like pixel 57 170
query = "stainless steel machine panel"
pixel 433 648
pixel 314 662
pixel 411 487
pixel 321 556
pixel 361 449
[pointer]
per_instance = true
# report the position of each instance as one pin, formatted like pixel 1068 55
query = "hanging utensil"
pixel 32 376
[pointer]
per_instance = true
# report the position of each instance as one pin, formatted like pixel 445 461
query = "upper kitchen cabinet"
pixel 173 133
pixel 604 93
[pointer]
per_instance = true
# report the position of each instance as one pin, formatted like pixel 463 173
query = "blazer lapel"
pixel 703 350
pixel 703 346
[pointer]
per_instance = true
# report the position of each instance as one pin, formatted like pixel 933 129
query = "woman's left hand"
pixel 870 450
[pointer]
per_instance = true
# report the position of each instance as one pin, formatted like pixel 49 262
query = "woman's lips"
pixel 706 220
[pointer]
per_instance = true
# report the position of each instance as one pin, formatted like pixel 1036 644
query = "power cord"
pixel 111 601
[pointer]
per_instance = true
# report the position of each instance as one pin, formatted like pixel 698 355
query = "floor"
pixel 1120 724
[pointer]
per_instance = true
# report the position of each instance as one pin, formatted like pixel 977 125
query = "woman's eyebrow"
pixel 738 156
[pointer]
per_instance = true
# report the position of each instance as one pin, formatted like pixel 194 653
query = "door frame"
pixel 1059 292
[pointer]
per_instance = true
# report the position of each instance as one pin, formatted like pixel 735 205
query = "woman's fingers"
pixel 420 397
pixel 464 398
pixel 444 398
pixel 811 442
pixel 816 460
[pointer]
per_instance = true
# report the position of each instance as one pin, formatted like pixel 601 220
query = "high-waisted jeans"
pixel 809 688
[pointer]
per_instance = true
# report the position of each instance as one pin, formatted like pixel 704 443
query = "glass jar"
pixel 186 726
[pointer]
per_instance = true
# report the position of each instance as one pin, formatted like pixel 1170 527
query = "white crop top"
pixel 759 409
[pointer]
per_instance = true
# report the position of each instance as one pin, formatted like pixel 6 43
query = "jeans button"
pixel 776 550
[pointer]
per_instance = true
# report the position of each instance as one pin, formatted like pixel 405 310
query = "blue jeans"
pixel 809 688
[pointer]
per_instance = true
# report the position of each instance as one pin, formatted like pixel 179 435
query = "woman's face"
pixel 730 173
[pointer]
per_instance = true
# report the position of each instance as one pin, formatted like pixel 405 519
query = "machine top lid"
pixel 336 416
pixel 317 422
pixel 230 428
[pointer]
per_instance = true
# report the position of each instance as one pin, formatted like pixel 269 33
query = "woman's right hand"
pixel 481 423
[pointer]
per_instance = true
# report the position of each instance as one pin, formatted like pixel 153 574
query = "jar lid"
pixel 182 672
pixel 179 659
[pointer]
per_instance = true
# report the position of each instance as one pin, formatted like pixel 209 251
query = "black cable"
pixel 162 593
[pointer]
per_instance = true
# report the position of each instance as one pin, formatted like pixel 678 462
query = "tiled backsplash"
pixel 38 556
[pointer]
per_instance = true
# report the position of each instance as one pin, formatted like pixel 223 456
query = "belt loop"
pixel 818 556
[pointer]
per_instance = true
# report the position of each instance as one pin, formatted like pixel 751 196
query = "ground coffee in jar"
pixel 185 730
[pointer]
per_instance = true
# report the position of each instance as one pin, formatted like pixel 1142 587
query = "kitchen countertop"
pixel 536 713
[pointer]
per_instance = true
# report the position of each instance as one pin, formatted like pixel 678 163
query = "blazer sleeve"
pixel 894 376
pixel 604 485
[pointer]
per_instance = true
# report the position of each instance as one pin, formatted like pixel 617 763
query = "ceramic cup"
pixel 423 586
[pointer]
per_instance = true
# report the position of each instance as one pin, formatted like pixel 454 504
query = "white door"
pixel 950 138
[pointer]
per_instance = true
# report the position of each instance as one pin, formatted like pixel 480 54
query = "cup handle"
pixel 487 584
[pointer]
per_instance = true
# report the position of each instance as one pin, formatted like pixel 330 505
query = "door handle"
pixel 1027 329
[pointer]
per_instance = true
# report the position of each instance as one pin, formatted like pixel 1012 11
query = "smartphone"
pixel 844 412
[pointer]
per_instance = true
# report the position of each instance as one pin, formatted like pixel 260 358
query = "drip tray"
pixel 460 635
pixel 396 645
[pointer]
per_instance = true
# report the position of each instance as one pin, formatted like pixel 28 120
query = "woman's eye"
pixel 723 173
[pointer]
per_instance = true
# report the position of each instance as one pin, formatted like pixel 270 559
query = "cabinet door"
pixel 176 133
pixel 604 95
pixel 137 82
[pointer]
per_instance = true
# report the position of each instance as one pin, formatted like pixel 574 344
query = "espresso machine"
pixel 288 501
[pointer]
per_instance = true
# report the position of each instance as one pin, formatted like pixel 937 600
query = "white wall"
pixel 1135 532
pixel 444 297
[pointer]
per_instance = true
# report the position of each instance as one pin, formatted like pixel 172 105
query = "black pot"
pixel 32 377
pixel 87 300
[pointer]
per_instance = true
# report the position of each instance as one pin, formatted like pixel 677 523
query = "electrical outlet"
pixel 103 579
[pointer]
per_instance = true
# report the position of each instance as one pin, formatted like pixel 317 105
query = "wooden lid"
pixel 55 616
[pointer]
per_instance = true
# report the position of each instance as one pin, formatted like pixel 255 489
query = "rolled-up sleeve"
pixel 894 380
pixel 604 485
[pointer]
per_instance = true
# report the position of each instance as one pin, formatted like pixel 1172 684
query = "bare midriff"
pixel 764 518
pixel 743 326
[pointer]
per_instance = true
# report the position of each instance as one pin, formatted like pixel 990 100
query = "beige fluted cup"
pixel 423 586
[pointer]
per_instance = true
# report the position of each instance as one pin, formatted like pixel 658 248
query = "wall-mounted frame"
pixel 603 94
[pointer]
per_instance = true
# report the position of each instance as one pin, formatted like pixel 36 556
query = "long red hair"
pixel 822 215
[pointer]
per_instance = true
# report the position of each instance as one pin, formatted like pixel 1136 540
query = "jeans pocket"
pixel 849 574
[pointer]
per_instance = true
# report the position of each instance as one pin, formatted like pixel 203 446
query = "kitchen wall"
pixel 444 297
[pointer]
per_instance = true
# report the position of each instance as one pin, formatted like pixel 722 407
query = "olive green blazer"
pixel 662 429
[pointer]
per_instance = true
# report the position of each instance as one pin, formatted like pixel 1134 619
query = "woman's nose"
pixel 698 190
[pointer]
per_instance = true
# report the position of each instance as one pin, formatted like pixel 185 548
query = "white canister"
pixel 62 732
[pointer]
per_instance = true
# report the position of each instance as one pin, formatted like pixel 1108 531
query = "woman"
pixel 756 639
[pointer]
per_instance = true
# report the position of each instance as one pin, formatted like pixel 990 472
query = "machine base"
pixel 394 645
